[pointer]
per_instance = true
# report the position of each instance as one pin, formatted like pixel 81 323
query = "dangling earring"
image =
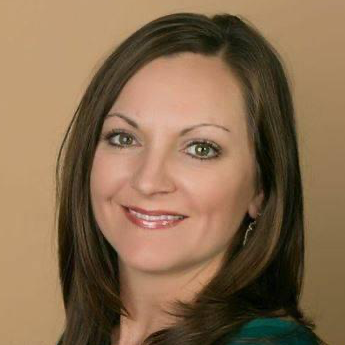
pixel 250 228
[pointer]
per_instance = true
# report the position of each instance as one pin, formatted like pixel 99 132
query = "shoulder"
pixel 274 331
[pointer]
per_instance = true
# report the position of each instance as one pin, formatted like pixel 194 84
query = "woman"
pixel 179 196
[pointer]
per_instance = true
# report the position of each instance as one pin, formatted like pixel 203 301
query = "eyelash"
pixel 215 147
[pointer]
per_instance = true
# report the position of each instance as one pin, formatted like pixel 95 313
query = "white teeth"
pixel 154 218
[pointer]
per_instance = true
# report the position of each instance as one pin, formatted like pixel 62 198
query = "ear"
pixel 255 205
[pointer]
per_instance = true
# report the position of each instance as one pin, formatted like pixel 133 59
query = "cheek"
pixel 101 173
pixel 106 177
pixel 225 192
pixel 104 185
pixel 223 202
pixel 98 186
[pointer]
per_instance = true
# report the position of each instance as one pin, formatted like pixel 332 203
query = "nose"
pixel 152 174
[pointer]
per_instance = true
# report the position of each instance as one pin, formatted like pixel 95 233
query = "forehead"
pixel 188 88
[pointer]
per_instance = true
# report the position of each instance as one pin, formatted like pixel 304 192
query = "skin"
pixel 156 171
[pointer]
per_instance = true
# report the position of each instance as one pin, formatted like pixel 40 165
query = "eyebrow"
pixel 183 132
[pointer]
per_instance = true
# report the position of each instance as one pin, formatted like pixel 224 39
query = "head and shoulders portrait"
pixel 179 194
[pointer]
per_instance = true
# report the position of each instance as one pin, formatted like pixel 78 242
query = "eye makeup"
pixel 210 145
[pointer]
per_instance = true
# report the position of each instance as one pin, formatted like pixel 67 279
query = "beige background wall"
pixel 49 50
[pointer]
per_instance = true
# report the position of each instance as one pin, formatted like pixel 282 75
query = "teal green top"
pixel 282 332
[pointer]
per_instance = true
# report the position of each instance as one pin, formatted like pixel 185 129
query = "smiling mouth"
pixel 152 222
pixel 140 211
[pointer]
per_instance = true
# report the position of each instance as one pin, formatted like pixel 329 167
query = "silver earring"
pixel 250 228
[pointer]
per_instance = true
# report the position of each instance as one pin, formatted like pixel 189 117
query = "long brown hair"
pixel 263 278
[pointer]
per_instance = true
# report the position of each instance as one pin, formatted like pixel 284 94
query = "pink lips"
pixel 153 213
pixel 158 224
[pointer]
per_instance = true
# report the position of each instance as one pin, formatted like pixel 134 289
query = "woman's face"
pixel 158 169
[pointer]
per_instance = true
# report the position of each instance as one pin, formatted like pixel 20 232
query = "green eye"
pixel 202 149
pixel 124 140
